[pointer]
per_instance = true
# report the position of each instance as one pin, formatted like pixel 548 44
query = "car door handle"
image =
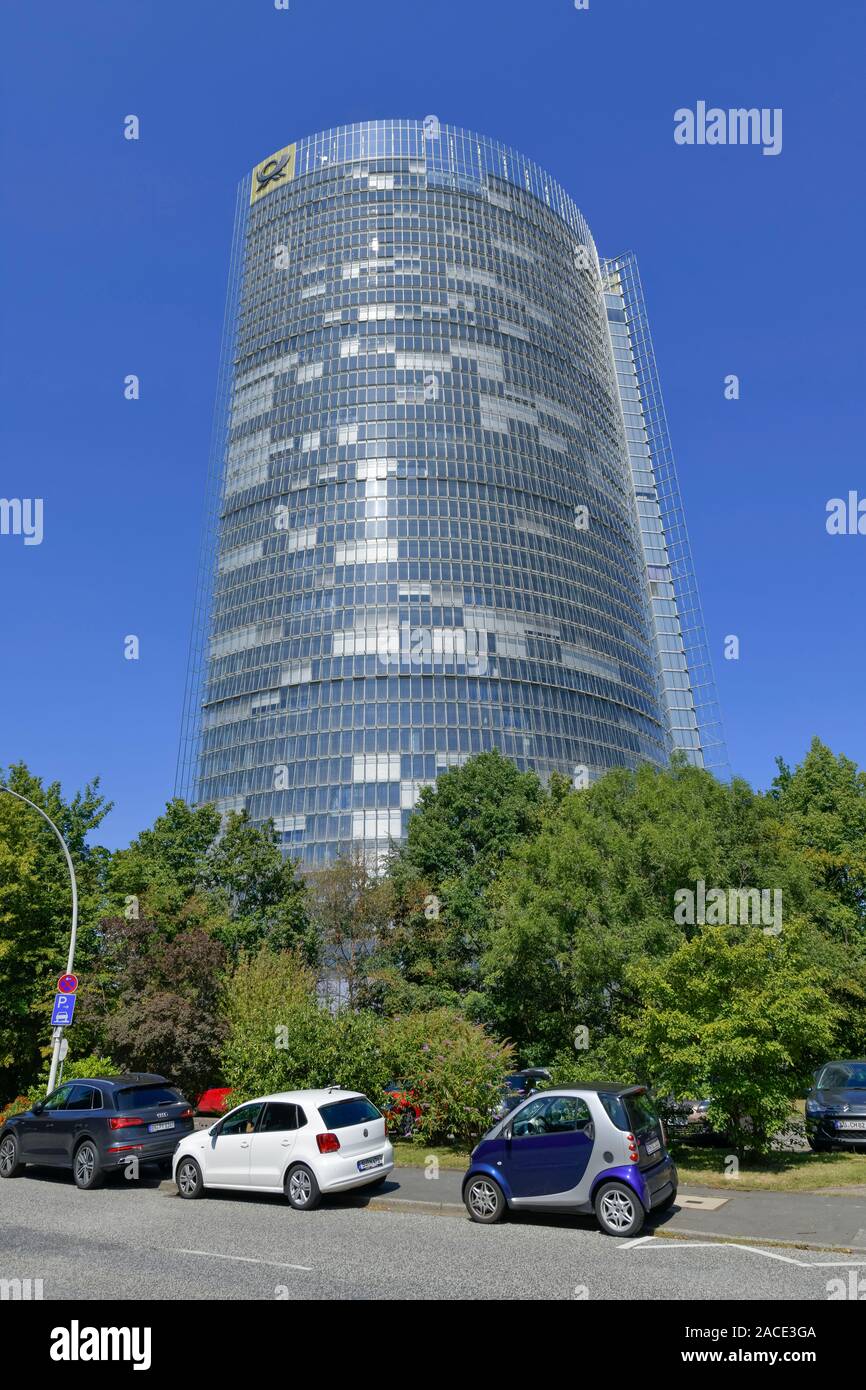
pixel 245 1143
pixel 285 1143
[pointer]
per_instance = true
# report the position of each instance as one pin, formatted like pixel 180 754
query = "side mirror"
pixel 38 1107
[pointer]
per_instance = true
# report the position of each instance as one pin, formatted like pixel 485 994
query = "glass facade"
pixel 423 538
pixel 686 670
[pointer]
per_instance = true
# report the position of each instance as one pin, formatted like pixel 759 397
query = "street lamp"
pixel 58 1032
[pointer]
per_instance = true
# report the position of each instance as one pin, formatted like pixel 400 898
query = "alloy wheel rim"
pixel 300 1187
pixel 7 1155
pixel 482 1199
pixel 618 1210
pixel 85 1160
pixel 187 1177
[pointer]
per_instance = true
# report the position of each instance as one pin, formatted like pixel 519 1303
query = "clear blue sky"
pixel 116 258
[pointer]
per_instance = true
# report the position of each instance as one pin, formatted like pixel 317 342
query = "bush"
pixel 14 1107
pixel 456 1069
pixel 362 1061
pixel 282 1039
pixel 279 1037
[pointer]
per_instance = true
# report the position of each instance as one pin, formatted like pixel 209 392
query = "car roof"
pixel 615 1088
pixel 323 1096
pixel 126 1078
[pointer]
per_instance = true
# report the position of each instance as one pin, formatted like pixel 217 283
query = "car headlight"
pixel 814 1108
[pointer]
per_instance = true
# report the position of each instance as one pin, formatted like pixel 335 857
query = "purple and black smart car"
pixel 575 1149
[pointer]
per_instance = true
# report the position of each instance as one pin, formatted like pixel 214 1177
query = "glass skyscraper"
pixel 443 513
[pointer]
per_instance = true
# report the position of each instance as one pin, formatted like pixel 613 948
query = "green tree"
pixel 349 908
pixel 457 838
pixel 822 802
pixel 36 911
pixel 232 880
pixel 257 892
pixel 737 1016
pixel 158 1004
pixel 595 889
pixel 166 867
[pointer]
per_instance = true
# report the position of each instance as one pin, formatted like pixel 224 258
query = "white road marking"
pixel 242 1259
pixel 645 1241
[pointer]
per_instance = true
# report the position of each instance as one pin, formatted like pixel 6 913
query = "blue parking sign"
pixel 64 1008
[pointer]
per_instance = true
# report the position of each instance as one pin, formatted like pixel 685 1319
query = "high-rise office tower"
pixel 443 513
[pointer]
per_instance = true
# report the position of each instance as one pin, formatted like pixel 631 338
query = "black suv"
pixel 98 1124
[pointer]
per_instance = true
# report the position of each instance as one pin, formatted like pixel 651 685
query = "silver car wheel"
pixel 7 1156
pixel 187 1178
pixel 482 1199
pixel 300 1187
pixel 618 1210
pixel 85 1162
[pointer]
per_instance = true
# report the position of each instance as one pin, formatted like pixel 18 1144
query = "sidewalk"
pixel 798 1218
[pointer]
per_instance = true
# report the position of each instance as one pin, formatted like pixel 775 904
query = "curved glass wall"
pixel 422 538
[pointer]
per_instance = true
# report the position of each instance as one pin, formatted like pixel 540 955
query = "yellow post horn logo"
pixel 274 171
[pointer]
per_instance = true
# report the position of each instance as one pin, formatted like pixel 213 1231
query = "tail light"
pixel 328 1143
pixel 185 1115
pixel 632 1148
pixel 124 1122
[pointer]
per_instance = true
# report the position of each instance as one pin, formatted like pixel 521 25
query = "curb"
pixel 405 1204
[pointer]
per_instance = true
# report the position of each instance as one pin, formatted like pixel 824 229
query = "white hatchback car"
pixel 304 1143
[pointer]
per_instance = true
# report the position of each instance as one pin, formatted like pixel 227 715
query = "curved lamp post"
pixel 58 1032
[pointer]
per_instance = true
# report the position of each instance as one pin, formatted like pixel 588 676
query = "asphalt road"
pixel 141 1242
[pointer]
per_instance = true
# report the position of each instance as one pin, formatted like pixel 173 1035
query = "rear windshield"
pixel 343 1113
pixel 641 1112
pixel 631 1112
pixel 140 1097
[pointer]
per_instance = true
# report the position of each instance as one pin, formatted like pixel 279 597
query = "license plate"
pixel 163 1124
pixel 365 1164
pixel 653 1146
pixel 851 1124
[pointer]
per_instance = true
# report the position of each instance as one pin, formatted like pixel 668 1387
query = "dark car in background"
pixel 95 1125
pixel 518 1086
pixel 687 1119
pixel 836 1106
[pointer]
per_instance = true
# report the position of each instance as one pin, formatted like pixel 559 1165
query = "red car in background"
pixel 402 1109
pixel 214 1101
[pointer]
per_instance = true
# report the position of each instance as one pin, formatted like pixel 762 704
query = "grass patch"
pixel 781 1172
pixel 408 1154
